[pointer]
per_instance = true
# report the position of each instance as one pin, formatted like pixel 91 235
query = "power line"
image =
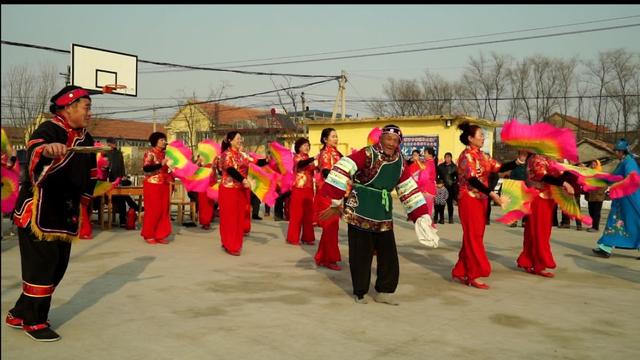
pixel 425 42
pixel 485 99
pixel 445 46
pixel 223 99
pixel 160 63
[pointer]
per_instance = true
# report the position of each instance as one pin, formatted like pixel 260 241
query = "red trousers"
pixel 301 216
pixel 206 211
pixel 536 247
pixel 233 204
pixel 472 259
pixel 328 250
pixel 246 225
pixel 86 230
pixel 156 223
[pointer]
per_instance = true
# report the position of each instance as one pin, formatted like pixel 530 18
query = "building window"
pixel 202 135
pixel 184 136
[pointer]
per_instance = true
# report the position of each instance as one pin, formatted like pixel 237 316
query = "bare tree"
pixel 439 92
pixel 521 82
pixel 624 69
pixel 188 115
pixel 598 73
pixel 477 85
pixel 636 99
pixel 26 94
pixel 545 86
pixel 581 90
pixel 564 71
pixel 216 94
pixel 537 85
pixel 378 107
pixel 290 93
pixel 406 98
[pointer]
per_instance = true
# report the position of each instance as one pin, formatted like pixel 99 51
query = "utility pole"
pixel 154 118
pixel 304 105
pixel 67 76
pixel 340 96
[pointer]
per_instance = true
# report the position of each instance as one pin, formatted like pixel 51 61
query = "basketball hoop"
pixel 108 89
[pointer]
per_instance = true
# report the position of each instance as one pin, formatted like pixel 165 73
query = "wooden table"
pixel 121 190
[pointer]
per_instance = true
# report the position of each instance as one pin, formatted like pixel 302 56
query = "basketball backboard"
pixel 94 69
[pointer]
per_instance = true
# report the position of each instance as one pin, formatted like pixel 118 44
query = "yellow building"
pixel 195 122
pixel 438 131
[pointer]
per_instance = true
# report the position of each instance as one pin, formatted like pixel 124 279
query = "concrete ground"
pixel 124 299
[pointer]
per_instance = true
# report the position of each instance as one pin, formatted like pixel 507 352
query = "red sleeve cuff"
pixel 415 214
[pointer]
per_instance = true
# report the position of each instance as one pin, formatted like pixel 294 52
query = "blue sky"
pixel 224 35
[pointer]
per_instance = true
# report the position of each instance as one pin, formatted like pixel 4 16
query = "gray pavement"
pixel 124 299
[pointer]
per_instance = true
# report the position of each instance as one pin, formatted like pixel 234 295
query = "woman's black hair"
pixel 467 130
pixel 53 108
pixel 301 141
pixel 415 151
pixel 154 137
pixel 226 143
pixel 325 135
pixel 431 151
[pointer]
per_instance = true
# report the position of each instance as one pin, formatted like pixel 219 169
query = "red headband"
pixel 71 96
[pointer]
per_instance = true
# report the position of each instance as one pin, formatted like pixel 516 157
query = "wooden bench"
pixel 180 199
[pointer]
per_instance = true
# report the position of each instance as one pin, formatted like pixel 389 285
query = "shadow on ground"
pixel 98 288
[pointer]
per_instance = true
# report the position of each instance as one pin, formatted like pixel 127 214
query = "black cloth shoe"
pixel 45 334
pixel 601 253
pixel 450 220
pixel 441 221
pixel 256 217
pixel 277 218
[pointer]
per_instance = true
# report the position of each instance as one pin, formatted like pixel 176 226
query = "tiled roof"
pixel 598 144
pixel 231 115
pixel 123 129
pixel 120 128
pixel 582 124
pixel 14 132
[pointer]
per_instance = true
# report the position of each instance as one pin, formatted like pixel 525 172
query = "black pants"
pixel 120 203
pixel 43 263
pixel 255 205
pixel 278 208
pixel 595 207
pixel 453 194
pixel 566 220
pixel 438 214
pixel 361 246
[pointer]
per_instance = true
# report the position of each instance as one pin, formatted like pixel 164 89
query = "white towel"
pixel 427 235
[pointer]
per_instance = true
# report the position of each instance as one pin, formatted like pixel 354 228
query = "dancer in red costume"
pixel 206 205
pixel 536 253
pixel 328 253
pixel 156 225
pixel 474 167
pixel 234 193
pixel 86 230
pixel 302 196
pixel 8 162
pixel 415 164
